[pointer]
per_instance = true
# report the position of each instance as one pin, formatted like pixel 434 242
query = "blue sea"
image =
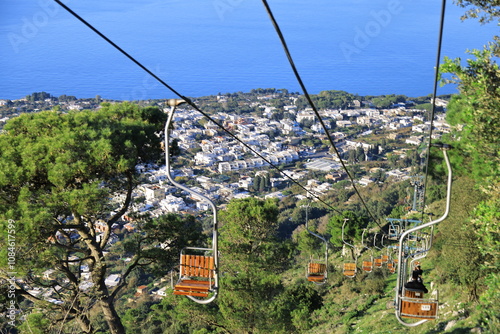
pixel 200 48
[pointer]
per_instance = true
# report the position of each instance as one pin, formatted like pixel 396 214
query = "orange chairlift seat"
pixel 392 267
pixel 350 267
pixel 385 257
pixel 367 264
pixel 378 260
pixel 198 276
pixel 388 258
pixel 392 264
pixel 411 303
pixel 317 270
pixel 414 305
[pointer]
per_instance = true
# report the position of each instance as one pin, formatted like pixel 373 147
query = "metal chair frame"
pixel 401 299
pixel 314 266
pixel 213 279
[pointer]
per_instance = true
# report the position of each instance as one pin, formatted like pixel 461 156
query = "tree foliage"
pixel 353 227
pixel 484 10
pixel 254 298
pixel 388 100
pixel 475 116
pixel 327 99
pixel 57 172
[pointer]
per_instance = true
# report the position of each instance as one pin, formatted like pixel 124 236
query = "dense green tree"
pixel 484 10
pixel 474 113
pixel 277 115
pixel 308 244
pixel 476 108
pixel 352 230
pixel 262 184
pixel 38 96
pixel 293 307
pixel 256 183
pixel 57 172
pixel 486 225
pixel 360 154
pixel 327 99
pixel 251 259
pixel 351 156
pixel 175 150
pixel 306 123
pixel 379 176
pixel 458 241
pixel 66 98
pixel 388 100
pixel 35 323
pixel 277 103
pixel 379 208
pixel 393 160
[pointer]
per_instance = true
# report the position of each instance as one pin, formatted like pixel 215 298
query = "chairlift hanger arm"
pixel 423 253
pixel 444 148
pixel 375 241
pixel 311 232
pixel 167 157
pixel 173 103
pixel 343 240
pixel 325 241
pixel 362 241
pixel 382 241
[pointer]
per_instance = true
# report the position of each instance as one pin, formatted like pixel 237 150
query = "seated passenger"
pixel 415 284
pixel 418 271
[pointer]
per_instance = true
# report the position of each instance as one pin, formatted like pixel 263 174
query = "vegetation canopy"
pixel 57 173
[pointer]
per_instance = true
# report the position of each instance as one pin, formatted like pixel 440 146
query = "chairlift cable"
pixel 120 49
pixel 192 104
pixel 434 92
pixel 309 100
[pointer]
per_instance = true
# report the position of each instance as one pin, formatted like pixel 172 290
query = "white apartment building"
pixel 172 204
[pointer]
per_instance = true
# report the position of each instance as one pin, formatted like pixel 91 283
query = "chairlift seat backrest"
pixel 367 266
pixel 414 293
pixel 316 268
pixel 350 269
pixel 196 276
pixel 316 272
pixel 197 266
pixel 418 308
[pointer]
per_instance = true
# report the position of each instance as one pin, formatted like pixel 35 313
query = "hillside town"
pixel 286 135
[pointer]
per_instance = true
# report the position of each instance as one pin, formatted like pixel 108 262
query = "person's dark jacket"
pixel 416 285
